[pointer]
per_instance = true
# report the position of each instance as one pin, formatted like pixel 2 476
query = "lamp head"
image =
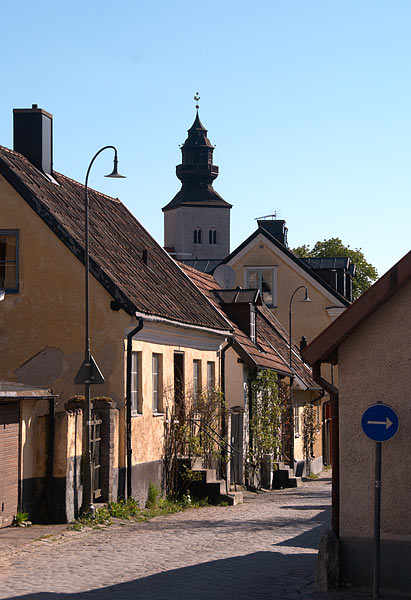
pixel 306 297
pixel 115 173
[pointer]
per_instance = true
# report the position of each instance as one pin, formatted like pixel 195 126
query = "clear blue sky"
pixel 308 103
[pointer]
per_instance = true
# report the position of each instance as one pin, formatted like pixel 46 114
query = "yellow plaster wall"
pixel 308 319
pixel 147 429
pixel 42 326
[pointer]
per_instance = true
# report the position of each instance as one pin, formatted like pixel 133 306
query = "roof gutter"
pixel 164 321
pixel 335 497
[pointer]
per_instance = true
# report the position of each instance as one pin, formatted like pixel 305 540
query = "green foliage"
pixel 21 519
pixel 129 510
pixel 153 496
pixel 309 433
pixel 124 509
pixel 265 423
pixel 366 274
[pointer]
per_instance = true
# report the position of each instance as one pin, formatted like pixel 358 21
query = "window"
pixel 136 395
pixel 196 379
pixel 210 378
pixel 212 236
pixel 252 324
pixel 9 261
pixel 157 383
pixel 197 236
pixel 263 279
pixel 296 421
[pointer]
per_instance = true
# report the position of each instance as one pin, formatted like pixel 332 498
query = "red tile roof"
pixel 271 350
pixel 117 241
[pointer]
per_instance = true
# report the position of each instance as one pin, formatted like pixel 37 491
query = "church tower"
pixel 197 220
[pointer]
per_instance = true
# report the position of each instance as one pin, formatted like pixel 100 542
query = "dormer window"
pixel 197 236
pixel 212 236
pixel 9 280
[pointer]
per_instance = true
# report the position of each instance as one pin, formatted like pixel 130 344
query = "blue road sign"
pixel 380 422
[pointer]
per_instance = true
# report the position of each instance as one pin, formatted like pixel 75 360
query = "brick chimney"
pixel 33 136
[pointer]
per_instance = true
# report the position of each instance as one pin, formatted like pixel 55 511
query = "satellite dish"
pixel 225 277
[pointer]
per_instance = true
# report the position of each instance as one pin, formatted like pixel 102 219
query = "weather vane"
pixel 197 98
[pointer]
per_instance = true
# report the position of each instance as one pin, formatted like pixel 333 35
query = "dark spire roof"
pixel 197 135
pixel 197 171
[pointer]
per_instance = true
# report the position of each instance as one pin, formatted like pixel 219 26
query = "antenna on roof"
pixel 273 216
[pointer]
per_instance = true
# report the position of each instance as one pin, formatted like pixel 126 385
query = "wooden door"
pixel 9 461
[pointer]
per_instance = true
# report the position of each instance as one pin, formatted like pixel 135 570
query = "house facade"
pixel 369 342
pixel 147 319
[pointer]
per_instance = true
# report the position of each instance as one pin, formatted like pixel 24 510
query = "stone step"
pixel 232 498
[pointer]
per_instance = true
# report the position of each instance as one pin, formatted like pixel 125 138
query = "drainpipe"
pixel 335 498
pixel 50 456
pixel 230 342
pixel 129 449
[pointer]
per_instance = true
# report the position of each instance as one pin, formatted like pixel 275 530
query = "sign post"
pixel 380 423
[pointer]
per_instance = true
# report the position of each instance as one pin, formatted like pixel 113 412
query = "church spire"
pixel 197 171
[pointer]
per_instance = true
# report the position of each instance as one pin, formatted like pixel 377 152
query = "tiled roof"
pixel 271 350
pixel 117 242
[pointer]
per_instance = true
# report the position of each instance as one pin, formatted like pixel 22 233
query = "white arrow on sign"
pixel 387 423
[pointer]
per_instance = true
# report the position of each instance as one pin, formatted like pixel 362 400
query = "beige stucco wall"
pixel 308 319
pixel 147 429
pixel 42 326
pixel 374 365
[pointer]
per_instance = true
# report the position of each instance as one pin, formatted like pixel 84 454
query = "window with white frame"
pixel 210 378
pixel 9 280
pixel 263 279
pixel 196 379
pixel 136 396
pixel 296 421
pixel 157 383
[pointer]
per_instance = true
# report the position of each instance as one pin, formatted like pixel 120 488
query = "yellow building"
pixel 149 323
pixel 264 261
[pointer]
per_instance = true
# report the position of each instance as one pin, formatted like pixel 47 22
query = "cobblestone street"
pixel 263 549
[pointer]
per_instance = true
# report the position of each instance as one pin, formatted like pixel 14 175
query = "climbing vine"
pixel 268 405
pixel 309 434
pixel 191 431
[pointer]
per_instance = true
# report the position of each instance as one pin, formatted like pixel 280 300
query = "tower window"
pixel 212 236
pixel 197 236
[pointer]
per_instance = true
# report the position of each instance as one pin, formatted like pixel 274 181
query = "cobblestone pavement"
pixel 263 549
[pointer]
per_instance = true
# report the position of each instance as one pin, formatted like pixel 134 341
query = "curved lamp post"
pixel 89 372
pixel 305 299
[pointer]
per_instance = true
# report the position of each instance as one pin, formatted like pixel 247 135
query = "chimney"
pixel 33 129
pixel 276 228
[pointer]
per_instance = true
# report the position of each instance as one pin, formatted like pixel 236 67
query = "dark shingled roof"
pixel 117 241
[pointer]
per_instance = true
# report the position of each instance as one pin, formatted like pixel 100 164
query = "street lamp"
pixel 305 299
pixel 89 372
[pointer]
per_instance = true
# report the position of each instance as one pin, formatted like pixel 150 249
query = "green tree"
pixel 366 274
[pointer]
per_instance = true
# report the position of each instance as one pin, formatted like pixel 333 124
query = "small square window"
pixel 9 281
pixel 263 279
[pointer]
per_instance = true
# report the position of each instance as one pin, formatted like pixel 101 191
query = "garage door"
pixel 9 461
